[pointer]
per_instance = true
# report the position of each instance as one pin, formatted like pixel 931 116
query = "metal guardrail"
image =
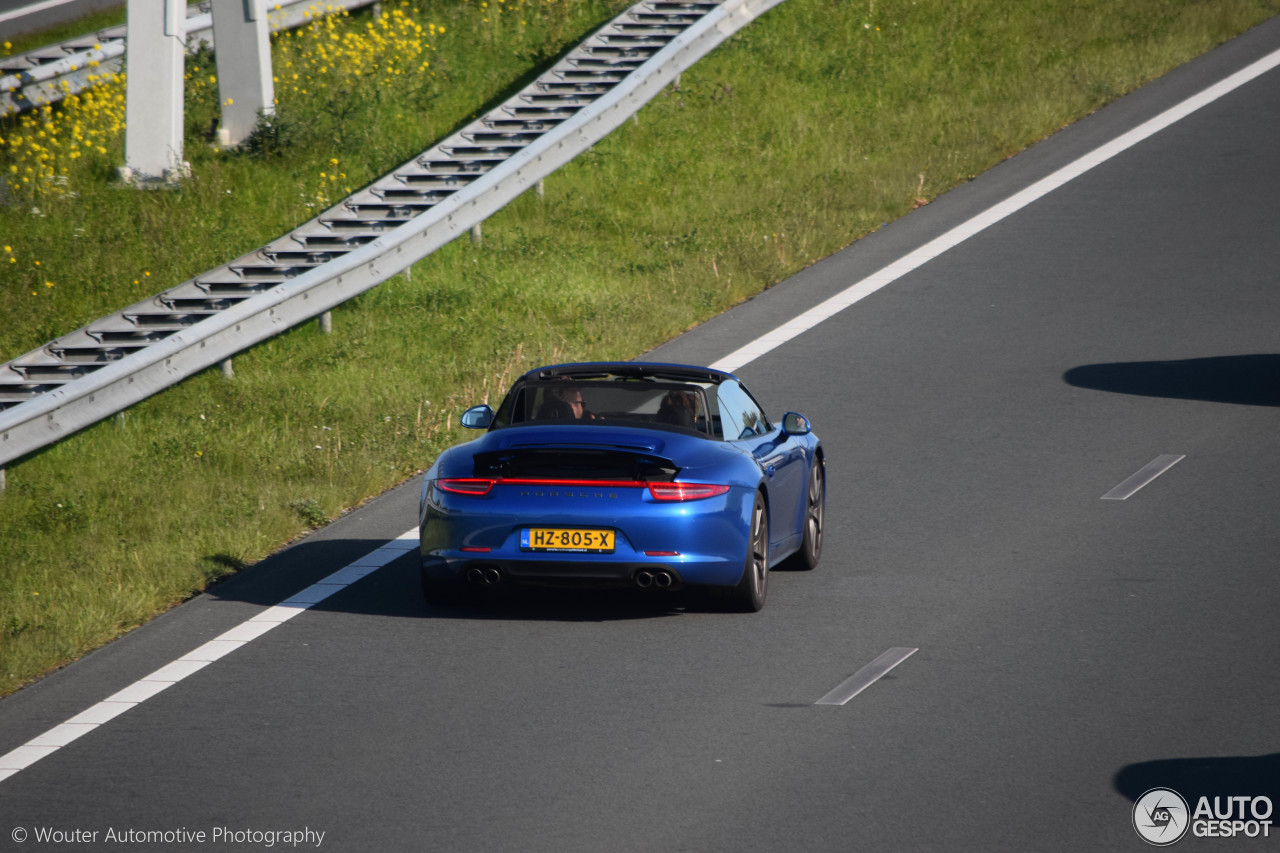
pixel 49 74
pixel 376 233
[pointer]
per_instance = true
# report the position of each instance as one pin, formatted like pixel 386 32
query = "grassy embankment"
pixel 811 128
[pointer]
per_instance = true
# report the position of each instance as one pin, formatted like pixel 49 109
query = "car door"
pixel 781 461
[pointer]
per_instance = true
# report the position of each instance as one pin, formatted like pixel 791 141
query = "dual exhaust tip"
pixel 645 579
pixel 484 576
pixel 660 579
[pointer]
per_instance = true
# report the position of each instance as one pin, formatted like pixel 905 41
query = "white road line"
pixel 865 677
pixel 200 657
pixel 1149 472
pixel 886 276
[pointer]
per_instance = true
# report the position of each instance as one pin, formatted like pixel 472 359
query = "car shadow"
pixel 1253 776
pixel 1247 380
pixel 395 589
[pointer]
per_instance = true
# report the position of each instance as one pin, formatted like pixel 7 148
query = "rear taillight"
pixel 465 486
pixel 479 486
pixel 685 491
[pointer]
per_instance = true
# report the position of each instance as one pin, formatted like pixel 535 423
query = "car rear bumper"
pixel 704 544
pixel 695 543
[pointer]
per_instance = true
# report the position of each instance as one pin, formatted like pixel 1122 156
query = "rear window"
pixel 665 405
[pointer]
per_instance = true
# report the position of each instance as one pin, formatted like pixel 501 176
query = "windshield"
pixel 667 405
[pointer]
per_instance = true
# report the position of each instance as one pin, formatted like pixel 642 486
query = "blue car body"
pixel 646 475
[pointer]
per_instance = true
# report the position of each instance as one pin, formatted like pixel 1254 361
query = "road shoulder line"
pixel 135 694
pixel 887 275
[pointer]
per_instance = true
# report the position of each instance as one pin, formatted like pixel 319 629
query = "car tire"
pixel 748 596
pixel 815 507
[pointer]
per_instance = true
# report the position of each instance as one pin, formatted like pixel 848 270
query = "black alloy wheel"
pixel 814 509
pixel 749 594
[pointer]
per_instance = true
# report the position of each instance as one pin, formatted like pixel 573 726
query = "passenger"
pixel 678 408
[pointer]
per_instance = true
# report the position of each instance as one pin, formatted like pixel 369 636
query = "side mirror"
pixel 477 417
pixel 794 423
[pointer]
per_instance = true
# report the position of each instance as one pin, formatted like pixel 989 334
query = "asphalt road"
pixel 1074 652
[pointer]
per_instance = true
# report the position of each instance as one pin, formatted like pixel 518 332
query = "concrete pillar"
pixel 242 49
pixel 153 93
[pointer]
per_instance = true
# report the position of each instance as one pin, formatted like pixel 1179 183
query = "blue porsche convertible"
pixel 654 476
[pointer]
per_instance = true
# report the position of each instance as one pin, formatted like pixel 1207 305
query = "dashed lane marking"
pixel 1145 475
pixel 865 677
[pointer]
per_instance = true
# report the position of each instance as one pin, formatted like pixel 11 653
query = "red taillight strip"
pixel 685 491
pixel 594 484
pixel 479 486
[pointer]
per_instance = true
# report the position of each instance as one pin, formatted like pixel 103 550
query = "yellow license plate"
pixel 566 539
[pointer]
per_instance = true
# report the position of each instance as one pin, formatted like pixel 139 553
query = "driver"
pixel 565 404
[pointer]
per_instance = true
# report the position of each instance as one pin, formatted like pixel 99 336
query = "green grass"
pixel 812 127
